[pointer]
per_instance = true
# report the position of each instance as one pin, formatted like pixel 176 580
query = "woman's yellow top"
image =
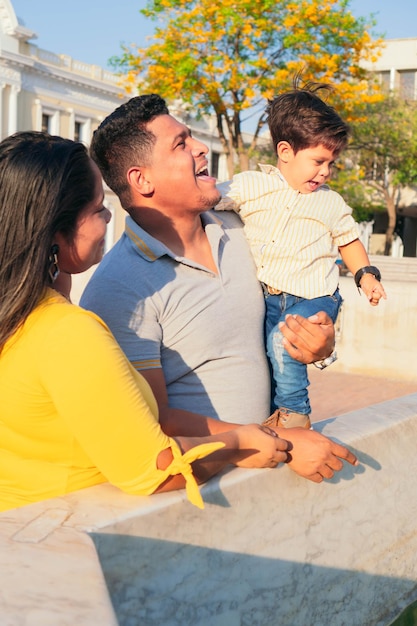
pixel 75 413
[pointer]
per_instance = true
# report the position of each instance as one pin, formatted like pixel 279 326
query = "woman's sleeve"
pixel 99 396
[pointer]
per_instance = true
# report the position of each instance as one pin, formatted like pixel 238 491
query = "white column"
pixel 87 132
pixel 14 90
pixel 55 123
pixel 71 123
pixel 38 114
pixel 392 79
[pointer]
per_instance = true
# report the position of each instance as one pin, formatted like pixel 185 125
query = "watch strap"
pixel 369 269
pixel 327 361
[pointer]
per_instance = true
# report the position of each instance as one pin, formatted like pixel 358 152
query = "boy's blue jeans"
pixel 289 379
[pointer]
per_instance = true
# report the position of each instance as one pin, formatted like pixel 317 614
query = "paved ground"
pixel 333 393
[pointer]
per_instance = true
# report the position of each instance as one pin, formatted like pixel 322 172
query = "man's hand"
pixel 308 340
pixel 314 456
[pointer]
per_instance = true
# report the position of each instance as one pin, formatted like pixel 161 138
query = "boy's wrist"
pixel 369 269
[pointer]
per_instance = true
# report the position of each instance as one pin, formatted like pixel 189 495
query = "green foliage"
pixel 407 617
pixel 225 58
pixel 387 142
pixel 384 150
pixel 346 181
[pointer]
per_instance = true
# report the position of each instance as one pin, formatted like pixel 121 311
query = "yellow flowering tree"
pixel 229 58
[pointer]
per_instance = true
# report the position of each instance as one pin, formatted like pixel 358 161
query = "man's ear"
pixel 139 181
pixel 284 151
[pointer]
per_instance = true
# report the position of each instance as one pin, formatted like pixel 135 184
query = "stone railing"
pixel 66 62
pixel 269 548
pixel 382 340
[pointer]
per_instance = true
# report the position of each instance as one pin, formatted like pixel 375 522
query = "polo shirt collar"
pixel 151 248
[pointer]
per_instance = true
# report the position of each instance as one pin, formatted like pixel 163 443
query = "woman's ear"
pixel 138 181
pixel 284 151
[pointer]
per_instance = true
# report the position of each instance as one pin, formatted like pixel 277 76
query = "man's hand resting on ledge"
pixel 314 456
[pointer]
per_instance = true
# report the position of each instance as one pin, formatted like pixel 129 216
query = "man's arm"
pixel 312 455
pixel 308 340
pixel 176 422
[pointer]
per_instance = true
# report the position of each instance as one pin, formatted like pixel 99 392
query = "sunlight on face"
pixel 87 246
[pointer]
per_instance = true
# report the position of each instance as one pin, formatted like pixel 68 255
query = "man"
pixel 179 290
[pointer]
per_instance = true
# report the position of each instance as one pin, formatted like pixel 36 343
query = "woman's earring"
pixel 53 269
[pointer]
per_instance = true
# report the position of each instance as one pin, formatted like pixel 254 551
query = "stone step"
pixel 396 268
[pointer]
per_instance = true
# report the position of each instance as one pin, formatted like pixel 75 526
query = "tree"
pixel 385 143
pixel 229 58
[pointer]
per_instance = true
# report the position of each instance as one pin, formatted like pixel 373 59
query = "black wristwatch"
pixel 369 269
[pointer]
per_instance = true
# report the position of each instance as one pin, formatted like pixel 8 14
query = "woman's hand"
pixel 259 446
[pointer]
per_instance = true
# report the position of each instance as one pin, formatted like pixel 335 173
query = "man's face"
pixel 178 169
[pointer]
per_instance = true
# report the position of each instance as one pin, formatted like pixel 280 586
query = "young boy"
pixel 296 226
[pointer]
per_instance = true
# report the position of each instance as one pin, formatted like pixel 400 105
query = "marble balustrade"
pixel 269 548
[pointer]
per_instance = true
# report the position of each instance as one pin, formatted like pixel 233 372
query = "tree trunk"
pixel 242 154
pixel 227 147
pixel 243 160
pixel 392 218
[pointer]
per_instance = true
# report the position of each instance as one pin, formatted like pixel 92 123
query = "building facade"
pixel 396 69
pixel 42 90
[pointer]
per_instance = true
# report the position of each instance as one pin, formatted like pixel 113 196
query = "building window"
pixel 407 85
pixel 385 81
pixel 214 170
pixel 81 130
pixel 46 123
pixel 78 127
pixel 46 120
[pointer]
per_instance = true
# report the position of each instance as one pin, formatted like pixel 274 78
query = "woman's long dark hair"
pixel 45 182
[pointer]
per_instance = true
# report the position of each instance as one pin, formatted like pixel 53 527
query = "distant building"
pixel 42 90
pixel 397 67
pixel 397 71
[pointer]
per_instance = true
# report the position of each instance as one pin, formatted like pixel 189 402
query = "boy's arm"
pixel 230 200
pixel 355 257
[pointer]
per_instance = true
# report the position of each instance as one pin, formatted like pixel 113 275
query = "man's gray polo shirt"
pixel 204 329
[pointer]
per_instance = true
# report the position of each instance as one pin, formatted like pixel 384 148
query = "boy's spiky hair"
pixel 304 120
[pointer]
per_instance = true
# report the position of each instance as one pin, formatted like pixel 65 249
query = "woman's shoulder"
pixel 54 310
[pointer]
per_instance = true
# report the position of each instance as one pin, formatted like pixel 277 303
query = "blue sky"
pixel 93 31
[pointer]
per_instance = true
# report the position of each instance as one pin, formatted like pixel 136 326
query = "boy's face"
pixel 306 170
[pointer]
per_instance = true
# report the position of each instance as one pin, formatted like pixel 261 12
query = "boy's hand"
pixel 372 289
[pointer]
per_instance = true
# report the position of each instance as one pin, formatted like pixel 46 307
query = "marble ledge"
pixel 93 508
pixel 267 543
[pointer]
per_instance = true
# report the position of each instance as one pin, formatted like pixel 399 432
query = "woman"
pixel 73 411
